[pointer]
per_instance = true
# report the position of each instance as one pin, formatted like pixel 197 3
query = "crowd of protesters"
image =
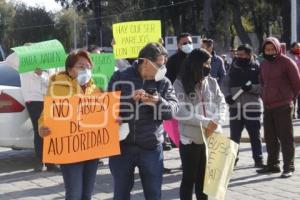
pixel 174 87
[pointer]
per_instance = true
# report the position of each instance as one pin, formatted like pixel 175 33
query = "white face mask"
pixel 161 72
pixel 187 48
pixel 84 76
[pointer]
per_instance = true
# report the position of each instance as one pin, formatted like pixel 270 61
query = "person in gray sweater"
pixel 201 112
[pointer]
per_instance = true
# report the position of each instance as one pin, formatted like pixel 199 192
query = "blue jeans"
pixel 79 179
pixel 150 164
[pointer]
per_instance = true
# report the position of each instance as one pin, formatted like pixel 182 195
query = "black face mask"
pixel 270 57
pixel 242 62
pixel 205 71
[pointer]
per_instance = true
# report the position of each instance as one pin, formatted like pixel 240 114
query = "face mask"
pixel 242 62
pixel 270 57
pixel 205 72
pixel 161 72
pixel 187 48
pixel 84 76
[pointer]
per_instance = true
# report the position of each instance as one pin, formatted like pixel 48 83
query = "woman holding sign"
pixel 79 178
pixel 201 111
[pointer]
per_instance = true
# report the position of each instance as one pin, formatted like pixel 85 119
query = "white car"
pixel 16 129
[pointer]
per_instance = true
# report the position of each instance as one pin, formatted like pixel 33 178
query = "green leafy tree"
pixel 7 13
pixel 31 24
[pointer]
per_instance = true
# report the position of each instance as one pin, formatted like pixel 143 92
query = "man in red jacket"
pixel 280 81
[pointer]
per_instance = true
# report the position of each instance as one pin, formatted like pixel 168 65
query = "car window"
pixel 9 76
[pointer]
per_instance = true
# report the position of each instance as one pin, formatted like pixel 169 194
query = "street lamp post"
pixel 293 20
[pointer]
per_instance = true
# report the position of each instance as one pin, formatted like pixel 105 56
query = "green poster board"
pixel 44 55
pixel 103 69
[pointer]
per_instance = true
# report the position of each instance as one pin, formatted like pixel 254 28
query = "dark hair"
pixel 209 42
pixel 152 51
pixel 191 69
pixel 182 35
pixel 92 48
pixel 74 56
pixel 294 44
pixel 245 47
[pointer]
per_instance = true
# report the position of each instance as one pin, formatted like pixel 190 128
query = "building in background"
pixel 295 20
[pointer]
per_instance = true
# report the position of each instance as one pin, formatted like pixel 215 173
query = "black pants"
pixel 35 109
pixel 250 121
pixel 279 133
pixel 193 160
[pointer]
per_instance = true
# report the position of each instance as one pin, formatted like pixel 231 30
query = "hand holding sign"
pixel 210 129
pixel 44 131
pixel 82 128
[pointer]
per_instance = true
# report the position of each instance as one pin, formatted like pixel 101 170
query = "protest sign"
pixel 82 128
pixel 220 162
pixel 131 37
pixel 43 55
pixel 103 69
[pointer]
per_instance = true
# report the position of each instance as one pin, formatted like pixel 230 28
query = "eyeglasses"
pixel 189 42
pixel 82 67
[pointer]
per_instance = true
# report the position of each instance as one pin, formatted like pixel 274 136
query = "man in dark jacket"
pixel 217 65
pixel 280 82
pixel 245 111
pixel 185 47
pixel 147 98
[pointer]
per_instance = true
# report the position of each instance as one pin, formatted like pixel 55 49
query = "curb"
pixel 246 140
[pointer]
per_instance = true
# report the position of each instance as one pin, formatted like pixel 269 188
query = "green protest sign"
pixel 44 55
pixel 104 67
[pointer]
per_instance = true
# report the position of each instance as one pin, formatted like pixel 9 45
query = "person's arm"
pixel 225 87
pixel 186 113
pixel 221 71
pixel 294 76
pixel 219 101
pixel 168 102
pixel 256 86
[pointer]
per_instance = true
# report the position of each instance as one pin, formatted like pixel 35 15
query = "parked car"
pixel 15 125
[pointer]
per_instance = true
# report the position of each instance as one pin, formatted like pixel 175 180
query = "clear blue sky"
pixel 50 5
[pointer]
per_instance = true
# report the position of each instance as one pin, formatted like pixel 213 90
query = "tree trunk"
pixel 207 15
pixel 258 27
pixel 226 18
pixel 286 22
pixel 98 21
pixel 237 22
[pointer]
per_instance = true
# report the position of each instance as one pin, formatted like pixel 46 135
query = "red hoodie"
pixel 280 79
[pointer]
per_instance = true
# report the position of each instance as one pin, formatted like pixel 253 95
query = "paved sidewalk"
pixel 18 181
